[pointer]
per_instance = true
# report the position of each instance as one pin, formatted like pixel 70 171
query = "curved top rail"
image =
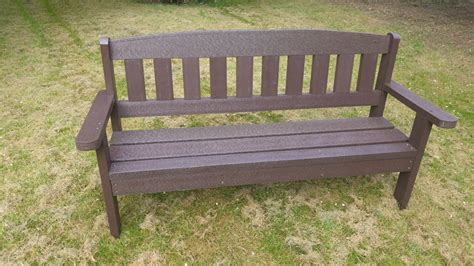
pixel 248 43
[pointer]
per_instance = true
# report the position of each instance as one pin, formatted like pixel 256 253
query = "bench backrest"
pixel 244 46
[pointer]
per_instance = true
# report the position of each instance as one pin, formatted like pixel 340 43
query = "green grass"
pixel 51 208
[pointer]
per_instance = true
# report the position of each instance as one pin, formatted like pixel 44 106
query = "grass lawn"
pixel 51 208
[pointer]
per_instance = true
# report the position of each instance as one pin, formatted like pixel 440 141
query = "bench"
pixel 150 161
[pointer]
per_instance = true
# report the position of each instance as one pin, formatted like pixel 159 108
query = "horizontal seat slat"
pixel 256 144
pixel 234 104
pixel 248 43
pixel 144 168
pixel 242 131
pixel 159 181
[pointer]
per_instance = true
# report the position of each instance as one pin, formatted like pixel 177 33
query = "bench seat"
pixel 191 158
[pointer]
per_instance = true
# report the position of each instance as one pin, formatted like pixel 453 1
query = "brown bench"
pixel 190 158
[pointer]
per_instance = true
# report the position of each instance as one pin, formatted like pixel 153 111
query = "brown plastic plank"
pixel 240 161
pixel 270 68
pixel 343 77
pixel 163 78
pixel 92 131
pixel 191 79
pixel 206 44
pixel 431 112
pixel 295 75
pixel 267 159
pixel 135 79
pixel 387 63
pixel 108 66
pixel 111 205
pixel 244 77
pixel 246 131
pixel 160 181
pixel 218 73
pixel 366 77
pixel 233 104
pixel 406 180
pixel 255 144
pixel 109 78
pixel 319 74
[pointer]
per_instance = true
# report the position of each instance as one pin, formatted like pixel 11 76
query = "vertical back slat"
pixel 365 80
pixel 191 78
pixel 244 76
pixel 295 75
pixel 135 79
pixel 163 78
pixel 342 80
pixel 218 71
pixel 319 74
pixel 270 67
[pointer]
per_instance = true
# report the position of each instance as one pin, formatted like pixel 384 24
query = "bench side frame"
pixel 427 114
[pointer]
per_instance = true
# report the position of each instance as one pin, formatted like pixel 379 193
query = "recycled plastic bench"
pixel 191 158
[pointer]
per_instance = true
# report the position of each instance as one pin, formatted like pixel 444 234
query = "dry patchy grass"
pixel 51 209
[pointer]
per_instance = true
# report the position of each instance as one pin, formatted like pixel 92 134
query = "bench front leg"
pixel 406 180
pixel 111 205
pixel 92 136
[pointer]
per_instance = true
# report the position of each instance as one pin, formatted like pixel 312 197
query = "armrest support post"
pixel 93 129
pixel 420 132
pixel 422 107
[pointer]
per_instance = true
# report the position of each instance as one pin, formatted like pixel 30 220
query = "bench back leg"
pixel 387 64
pixel 111 205
pixel 406 180
pixel 109 77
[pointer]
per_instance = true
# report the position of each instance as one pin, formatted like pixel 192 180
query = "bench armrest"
pixel 93 129
pixel 431 112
